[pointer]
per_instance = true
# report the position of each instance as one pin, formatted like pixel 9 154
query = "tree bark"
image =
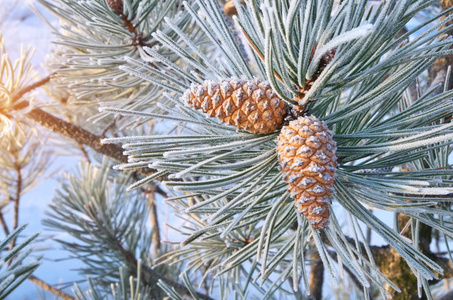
pixel 438 71
pixel 316 278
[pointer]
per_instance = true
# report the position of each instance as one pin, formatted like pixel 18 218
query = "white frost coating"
pixel 298 162
pixel 293 177
pixel 225 87
pixel 315 168
pixel 321 155
pixel 289 149
pixel 318 210
pixel 303 200
pixel 258 93
pixel 228 106
pixel 250 87
pixel 345 37
pixel 319 189
pixel 296 139
pixel 216 98
pixel 324 200
pixel 7 281
pixel 288 133
pixel 212 87
pixel 295 123
pixel 305 182
pixel 205 105
pixel 200 91
pixel 326 176
pixel 185 98
pixel 239 94
pixel 306 129
pixel 313 139
pixel 303 149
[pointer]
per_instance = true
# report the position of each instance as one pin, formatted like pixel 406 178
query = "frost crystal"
pixel 319 189
pixel 318 210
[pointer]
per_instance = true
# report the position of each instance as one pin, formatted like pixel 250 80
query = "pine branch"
pixel 50 288
pixel 82 136
pixel 438 71
pixel 394 267
pixel 316 277
pixel 35 279
pixel 153 216
pixel 78 134
pixel 132 261
pixel 16 203
pixel 4 225
pixel 33 86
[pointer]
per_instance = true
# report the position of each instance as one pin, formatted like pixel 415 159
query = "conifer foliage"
pixel 345 64
pixel 308 124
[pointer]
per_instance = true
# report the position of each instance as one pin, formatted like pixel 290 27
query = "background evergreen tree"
pixel 149 65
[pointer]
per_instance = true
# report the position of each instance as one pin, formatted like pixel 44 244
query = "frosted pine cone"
pixel 306 152
pixel 246 104
pixel 115 5
pixel 325 60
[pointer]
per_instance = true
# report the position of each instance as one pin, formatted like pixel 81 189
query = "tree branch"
pixel 4 225
pixel 132 261
pixel 153 216
pixel 78 134
pixel 35 279
pixel 316 278
pixel 50 288
pixel 32 87
pixel 16 204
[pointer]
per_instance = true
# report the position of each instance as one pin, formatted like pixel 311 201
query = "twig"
pixel 80 135
pixel 16 204
pixel 84 153
pixel 316 277
pixel 4 225
pixel 32 87
pixel 50 288
pixel 153 216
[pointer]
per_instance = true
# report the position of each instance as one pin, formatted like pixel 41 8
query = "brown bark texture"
pixel 438 70
pixel 316 278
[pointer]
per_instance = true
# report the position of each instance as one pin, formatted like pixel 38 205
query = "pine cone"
pixel 230 9
pixel 115 5
pixel 250 105
pixel 306 152
pixel 325 60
